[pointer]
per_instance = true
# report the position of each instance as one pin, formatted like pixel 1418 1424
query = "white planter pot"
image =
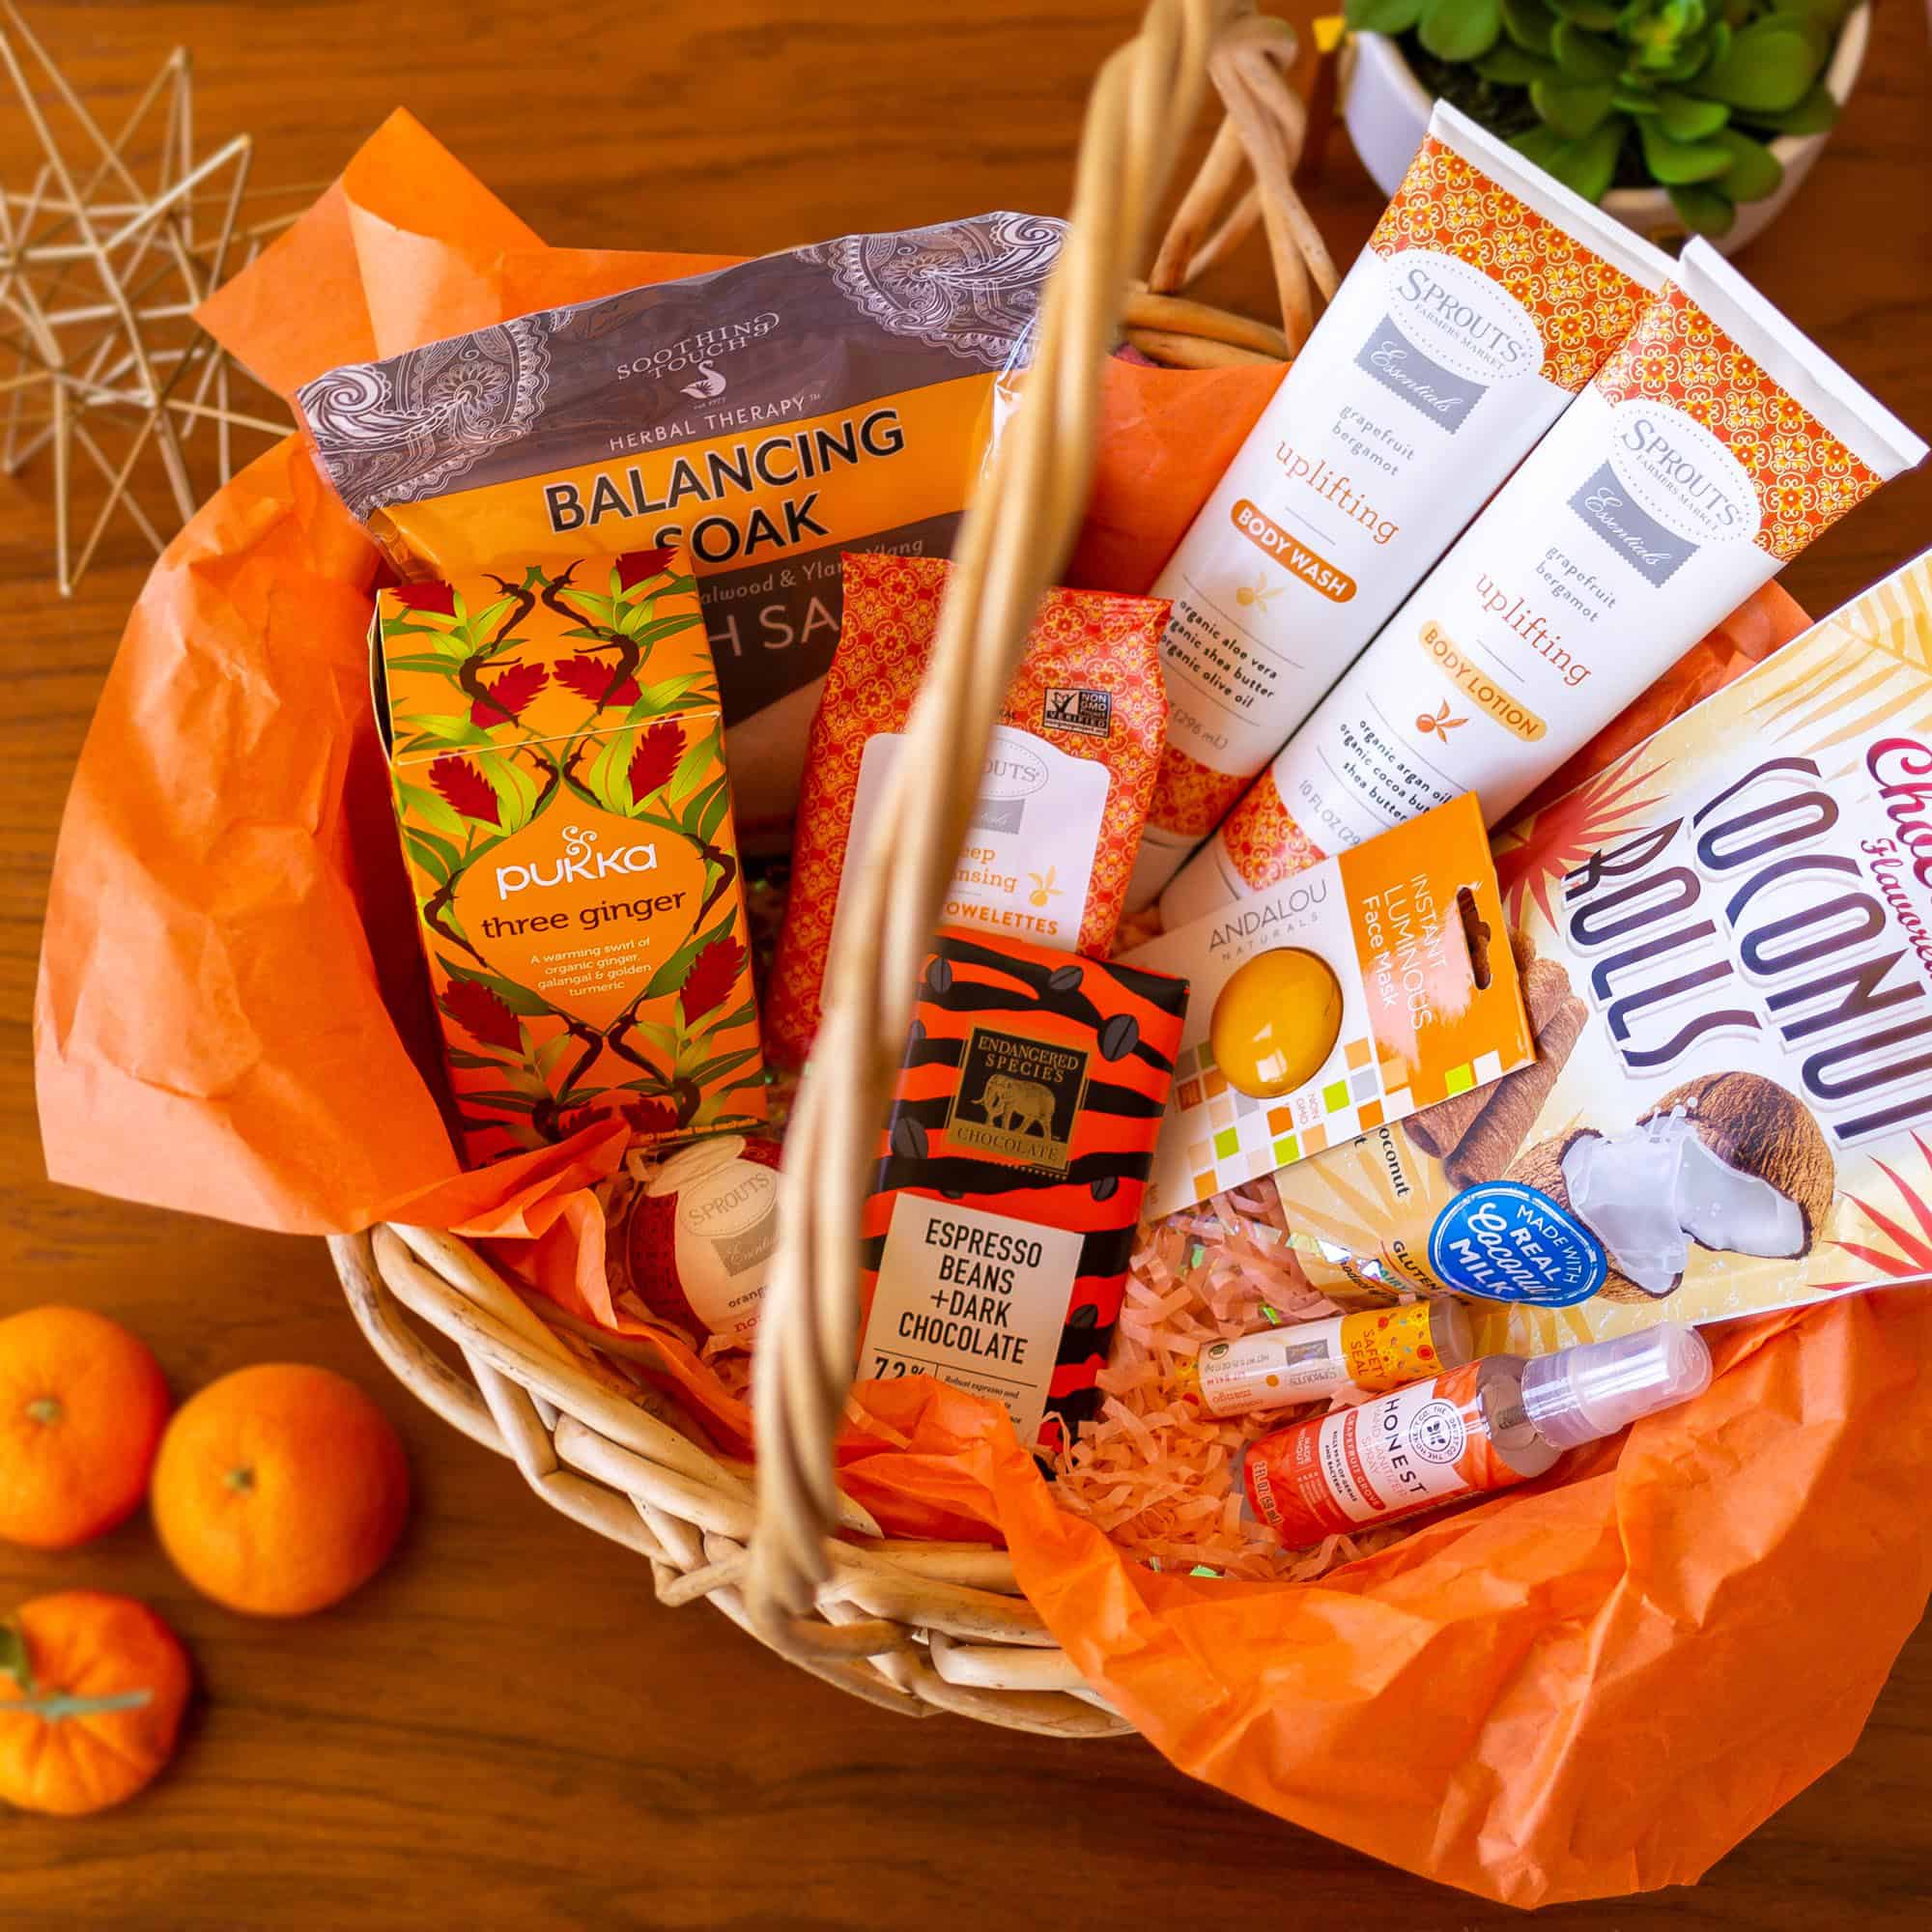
pixel 1388 110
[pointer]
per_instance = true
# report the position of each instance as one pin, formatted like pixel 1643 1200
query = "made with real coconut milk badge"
pixel 1725 946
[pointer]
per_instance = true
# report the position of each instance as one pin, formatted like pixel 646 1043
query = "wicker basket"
pixel 914 1626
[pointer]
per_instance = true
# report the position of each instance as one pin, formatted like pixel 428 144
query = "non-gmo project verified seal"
pixel 1067 708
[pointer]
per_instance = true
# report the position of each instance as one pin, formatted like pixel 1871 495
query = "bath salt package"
pixel 1063 801
pixel 1725 941
pixel 1487 296
pixel 1714 447
pixel 764 415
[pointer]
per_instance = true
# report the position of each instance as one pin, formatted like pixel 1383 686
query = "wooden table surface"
pixel 505 1728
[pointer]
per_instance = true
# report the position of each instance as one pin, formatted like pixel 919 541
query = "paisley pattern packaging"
pixel 1011 1174
pixel 765 417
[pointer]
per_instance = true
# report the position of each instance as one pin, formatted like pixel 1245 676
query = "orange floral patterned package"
pixel 559 776
pixel 1065 795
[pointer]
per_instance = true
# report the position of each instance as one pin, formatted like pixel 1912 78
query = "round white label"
pixel 1437 1433
pixel 729 1201
pixel 1460 319
pixel 1681 474
pixel 1014 767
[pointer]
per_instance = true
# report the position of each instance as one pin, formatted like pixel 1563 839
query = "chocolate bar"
pixel 1011 1174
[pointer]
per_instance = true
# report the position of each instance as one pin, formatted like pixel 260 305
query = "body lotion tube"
pixel 1714 447
pixel 1486 298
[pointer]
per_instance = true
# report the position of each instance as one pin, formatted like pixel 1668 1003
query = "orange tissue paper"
pixel 1590 1687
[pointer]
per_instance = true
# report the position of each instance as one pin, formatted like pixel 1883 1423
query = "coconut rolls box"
pixel 559 764
pixel 1725 946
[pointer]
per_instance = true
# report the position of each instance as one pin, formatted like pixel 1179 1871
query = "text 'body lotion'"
pixel 1487 297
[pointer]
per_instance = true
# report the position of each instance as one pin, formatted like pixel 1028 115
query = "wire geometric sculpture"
pixel 101 272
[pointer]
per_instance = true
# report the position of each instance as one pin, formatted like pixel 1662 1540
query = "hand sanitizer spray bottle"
pixel 1486 1426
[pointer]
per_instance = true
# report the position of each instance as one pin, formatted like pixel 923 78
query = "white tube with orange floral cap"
pixel 1487 297
pixel 1714 447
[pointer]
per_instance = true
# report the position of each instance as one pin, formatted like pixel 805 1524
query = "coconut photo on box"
pixel 557 757
pixel 1725 946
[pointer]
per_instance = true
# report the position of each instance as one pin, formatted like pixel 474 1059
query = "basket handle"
pixel 1264 131
pixel 1012 544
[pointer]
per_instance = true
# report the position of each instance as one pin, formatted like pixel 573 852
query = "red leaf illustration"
pixel 655 759
pixel 511 692
pixel 439 597
pixel 482 1014
pixel 713 974
pixel 591 681
pixel 638 566
pixel 1912 1259
pixel 1541 850
pixel 652 1119
pixel 464 789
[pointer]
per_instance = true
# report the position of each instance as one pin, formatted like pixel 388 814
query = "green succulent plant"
pixel 1686 94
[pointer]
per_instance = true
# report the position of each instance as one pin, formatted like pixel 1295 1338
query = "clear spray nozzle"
pixel 1581 1395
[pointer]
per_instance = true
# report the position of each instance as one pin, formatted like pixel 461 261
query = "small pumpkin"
pixel 92 1691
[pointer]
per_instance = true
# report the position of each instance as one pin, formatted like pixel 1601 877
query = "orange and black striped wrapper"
pixel 1121 1025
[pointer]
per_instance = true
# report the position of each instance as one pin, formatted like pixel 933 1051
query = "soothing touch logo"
pixel 699 354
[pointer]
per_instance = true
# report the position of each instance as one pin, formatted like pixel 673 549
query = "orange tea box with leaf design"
pixel 559 760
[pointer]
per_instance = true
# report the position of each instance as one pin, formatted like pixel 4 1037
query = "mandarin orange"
pixel 82 1406
pixel 279 1489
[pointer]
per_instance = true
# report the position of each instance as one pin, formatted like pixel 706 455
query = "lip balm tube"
pixel 1310 1361
pixel 1715 444
pixel 1487 297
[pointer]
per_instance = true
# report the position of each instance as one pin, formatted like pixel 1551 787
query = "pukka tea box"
pixel 1361 991
pixel 559 763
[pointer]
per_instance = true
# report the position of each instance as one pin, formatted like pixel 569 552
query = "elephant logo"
pixel 1018 1099
pixel 1017 1106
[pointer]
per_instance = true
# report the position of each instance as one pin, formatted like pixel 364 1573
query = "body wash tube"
pixel 1486 298
pixel 1714 447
